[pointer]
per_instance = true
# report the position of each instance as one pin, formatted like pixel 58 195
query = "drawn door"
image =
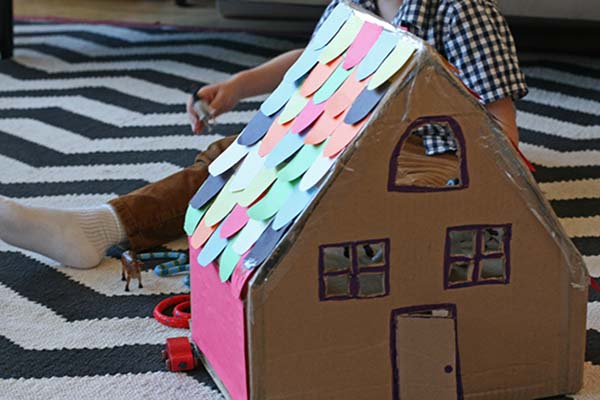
pixel 424 353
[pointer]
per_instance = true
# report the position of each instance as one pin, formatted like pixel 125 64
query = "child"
pixel 471 34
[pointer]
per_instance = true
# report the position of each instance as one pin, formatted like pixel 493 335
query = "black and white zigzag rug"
pixel 89 112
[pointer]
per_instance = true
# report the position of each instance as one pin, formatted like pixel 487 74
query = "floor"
pixel 205 15
pixel 200 13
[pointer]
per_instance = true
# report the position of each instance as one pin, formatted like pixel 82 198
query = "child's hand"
pixel 221 97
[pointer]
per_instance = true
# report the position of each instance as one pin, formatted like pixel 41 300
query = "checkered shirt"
pixel 473 36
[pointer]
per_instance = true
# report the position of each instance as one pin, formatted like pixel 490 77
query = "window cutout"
pixel 477 255
pixel 429 313
pixel 337 285
pixel 354 270
pixel 371 254
pixel 371 284
pixel 442 313
pixel 462 243
pixel 337 259
pixel 460 272
pixel 416 168
pixel 492 240
pixel 492 268
pixel 429 157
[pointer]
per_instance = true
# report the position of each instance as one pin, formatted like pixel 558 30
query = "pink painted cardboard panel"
pixel 218 327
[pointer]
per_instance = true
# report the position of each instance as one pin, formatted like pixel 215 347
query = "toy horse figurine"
pixel 132 268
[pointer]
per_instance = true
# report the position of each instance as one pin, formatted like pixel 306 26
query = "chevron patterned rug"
pixel 89 112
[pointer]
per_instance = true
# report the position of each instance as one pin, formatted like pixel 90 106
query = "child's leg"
pixel 79 238
pixel 154 214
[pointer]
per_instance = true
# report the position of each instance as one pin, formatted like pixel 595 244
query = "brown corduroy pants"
pixel 154 214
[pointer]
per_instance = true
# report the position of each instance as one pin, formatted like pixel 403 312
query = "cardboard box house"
pixel 334 259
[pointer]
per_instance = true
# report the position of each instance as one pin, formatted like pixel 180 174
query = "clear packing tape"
pixel 508 160
pixel 282 155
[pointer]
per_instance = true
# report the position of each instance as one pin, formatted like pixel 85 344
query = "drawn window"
pixel 477 255
pixel 431 156
pixel 354 270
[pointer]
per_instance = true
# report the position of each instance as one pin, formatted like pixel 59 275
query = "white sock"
pixel 76 238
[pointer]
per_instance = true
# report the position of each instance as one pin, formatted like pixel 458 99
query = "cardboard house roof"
pixel 286 157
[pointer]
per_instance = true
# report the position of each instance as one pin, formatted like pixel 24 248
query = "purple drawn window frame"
pixel 355 270
pixel 461 151
pixel 478 256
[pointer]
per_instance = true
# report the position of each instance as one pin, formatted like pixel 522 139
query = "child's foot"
pixel 77 238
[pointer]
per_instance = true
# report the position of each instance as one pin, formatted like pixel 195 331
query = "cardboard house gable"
pixel 332 258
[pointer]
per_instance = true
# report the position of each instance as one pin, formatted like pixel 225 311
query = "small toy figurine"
pixel 201 107
pixel 132 268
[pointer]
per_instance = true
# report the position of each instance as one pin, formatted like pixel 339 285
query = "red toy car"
pixel 179 355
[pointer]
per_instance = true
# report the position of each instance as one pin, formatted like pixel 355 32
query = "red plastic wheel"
pixel 182 310
pixel 172 320
pixel 180 355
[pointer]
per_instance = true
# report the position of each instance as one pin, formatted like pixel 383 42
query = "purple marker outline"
pixel 394 351
pixel 478 256
pixel 458 135
pixel 354 270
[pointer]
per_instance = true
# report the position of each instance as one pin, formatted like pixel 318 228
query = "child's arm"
pixel 504 111
pixel 224 96
pixel 266 77
pixel 478 42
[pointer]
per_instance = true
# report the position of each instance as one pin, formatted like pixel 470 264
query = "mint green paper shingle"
pixel 301 162
pixel 392 63
pixel 332 84
pixel 222 205
pixel 259 184
pixel 342 40
pixel 293 108
pixel 272 202
pixel 192 218
pixel 227 262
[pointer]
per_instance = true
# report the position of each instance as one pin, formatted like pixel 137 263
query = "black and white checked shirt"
pixel 474 37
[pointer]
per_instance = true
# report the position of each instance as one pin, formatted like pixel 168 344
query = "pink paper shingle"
pixel 235 221
pixel 307 116
pixel 362 44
